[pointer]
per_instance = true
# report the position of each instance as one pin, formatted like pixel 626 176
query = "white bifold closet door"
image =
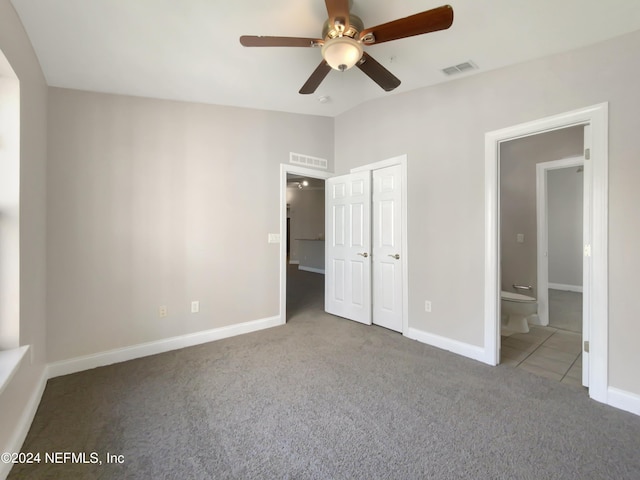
pixel 387 247
pixel 348 246
pixel 363 265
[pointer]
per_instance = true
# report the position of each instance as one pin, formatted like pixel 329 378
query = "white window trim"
pixel 9 362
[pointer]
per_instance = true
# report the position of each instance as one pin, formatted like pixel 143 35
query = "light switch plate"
pixel 520 237
pixel 274 238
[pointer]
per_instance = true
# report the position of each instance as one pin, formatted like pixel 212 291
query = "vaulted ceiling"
pixel 189 49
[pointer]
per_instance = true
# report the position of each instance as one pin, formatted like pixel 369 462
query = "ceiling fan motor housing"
pixel 330 30
pixel 341 50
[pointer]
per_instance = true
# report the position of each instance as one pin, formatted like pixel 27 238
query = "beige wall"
pixel 518 159
pixel 17 49
pixel 565 195
pixel 144 210
pixel 442 129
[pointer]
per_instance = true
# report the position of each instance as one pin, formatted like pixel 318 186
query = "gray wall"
pixel 144 210
pixel 518 159
pixel 33 102
pixel 565 205
pixel 442 130
pixel 307 216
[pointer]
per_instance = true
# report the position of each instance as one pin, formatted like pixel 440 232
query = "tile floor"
pixel 546 351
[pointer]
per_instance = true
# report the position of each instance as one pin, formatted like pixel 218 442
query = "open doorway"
pixel 594 120
pixel 562 213
pixel 541 239
pixel 302 233
pixel 305 243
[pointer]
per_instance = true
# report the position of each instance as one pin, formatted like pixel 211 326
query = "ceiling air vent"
pixel 461 67
pixel 307 160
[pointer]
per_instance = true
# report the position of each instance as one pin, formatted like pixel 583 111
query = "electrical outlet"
pixel 427 306
pixel 162 311
pixel 195 306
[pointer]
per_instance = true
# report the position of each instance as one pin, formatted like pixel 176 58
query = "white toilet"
pixel 517 311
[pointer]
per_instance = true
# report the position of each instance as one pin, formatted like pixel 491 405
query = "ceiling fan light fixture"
pixel 342 53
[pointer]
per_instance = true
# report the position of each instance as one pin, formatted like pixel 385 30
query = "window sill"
pixel 9 362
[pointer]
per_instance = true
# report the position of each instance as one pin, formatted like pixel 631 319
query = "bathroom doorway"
pixel 592 124
pixel 539 219
pixel 561 215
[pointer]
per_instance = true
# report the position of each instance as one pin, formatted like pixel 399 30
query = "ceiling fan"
pixel 344 35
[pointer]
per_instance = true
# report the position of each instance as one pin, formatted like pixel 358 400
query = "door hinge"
pixel 587 250
pixel 587 154
pixel 586 346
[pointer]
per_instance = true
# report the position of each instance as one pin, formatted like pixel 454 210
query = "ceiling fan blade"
pixel 256 41
pixel 338 10
pixel 316 78
pixel 378 73
pixel 433 20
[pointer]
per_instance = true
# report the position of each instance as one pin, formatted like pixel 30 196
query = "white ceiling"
pixel 189 49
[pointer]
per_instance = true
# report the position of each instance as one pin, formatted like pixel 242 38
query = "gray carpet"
pixel 326 398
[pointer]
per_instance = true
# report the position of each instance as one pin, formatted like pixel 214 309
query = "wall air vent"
pixel 307 160
pixel 461 67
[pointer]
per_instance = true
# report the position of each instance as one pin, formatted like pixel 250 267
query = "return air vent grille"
pixel 307 160
pixel 460 68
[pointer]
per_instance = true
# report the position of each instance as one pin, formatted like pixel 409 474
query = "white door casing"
pixel 596 301
pixel 387 247
pixel 348 246
pixel 588 233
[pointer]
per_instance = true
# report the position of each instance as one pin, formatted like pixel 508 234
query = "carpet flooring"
pixel 326 398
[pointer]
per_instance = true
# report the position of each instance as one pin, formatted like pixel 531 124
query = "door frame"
pixel 402 161
pixel 286 169
pixel 542 221
pixel 596 139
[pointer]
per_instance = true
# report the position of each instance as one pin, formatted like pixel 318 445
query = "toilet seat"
pixel 516 297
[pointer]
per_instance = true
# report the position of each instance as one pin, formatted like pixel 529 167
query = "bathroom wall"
pixel 306 213
pixel 518 159
pixel 565 187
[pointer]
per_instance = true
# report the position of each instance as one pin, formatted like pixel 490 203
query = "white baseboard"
pixel 25 421
pixel 565 287
pixel 109 357
pixel 294 262
pixel 312 269
pixel 466 350
pixel 627 401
